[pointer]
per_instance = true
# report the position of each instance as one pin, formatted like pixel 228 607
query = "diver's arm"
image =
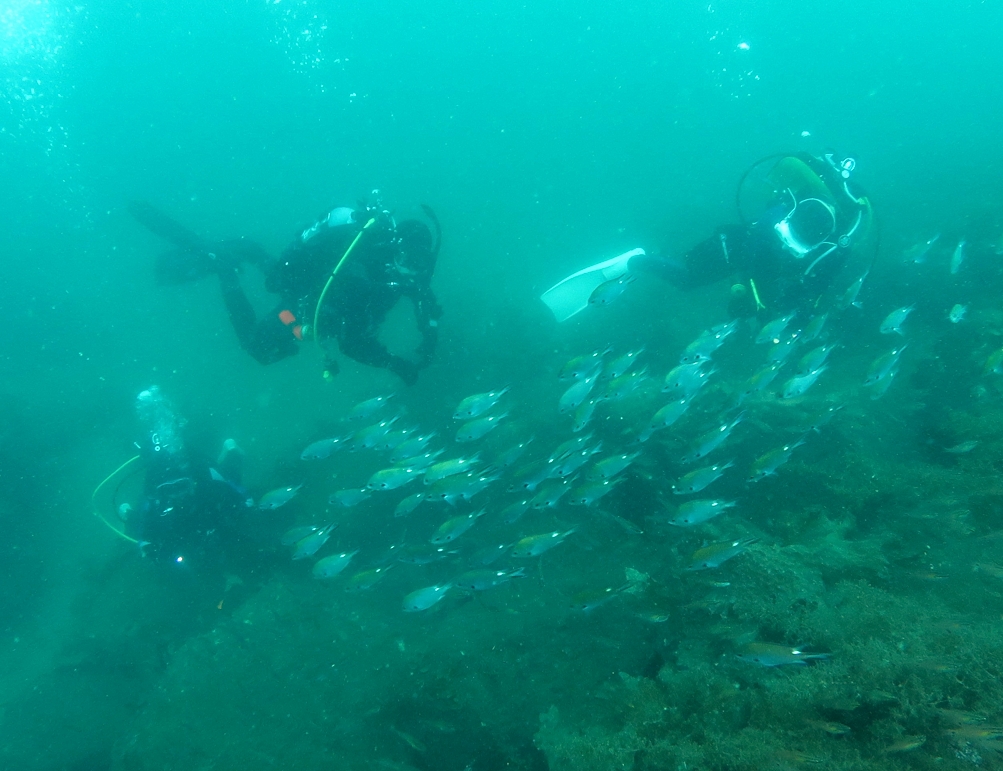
pixel 359 342
pixel 427 312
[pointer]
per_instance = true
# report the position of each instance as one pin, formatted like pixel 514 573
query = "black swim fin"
pixel 160 224
pixel 195 257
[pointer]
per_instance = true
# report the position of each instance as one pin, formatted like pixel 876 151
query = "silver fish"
pixel 625 385
pixel 781 350
pixel 710 441
pixel 564 449
pixel 815 358
pixel 958 257
pixel 453 528
pixel 490 554
pixel 418 555
pixel 608 291
pixel 768 463
pixel 514 511
pixel 450 467
pixel 393 439
pixel 917 253
pixel 322 448
pixel 588 600
pixel 814 328
pixel 393 477
pixel 366 579
pixel 423 599
pixel 535 545
pixel 369 436
pixel 298 533
pixel 994 363
pixel 409 504
pixel 331 566
pixel 665 417
pixel 708 342
pixel 716 554
pixel 761 380
pixel 477 404
pixel 957 313
pixel 583 415
pixel 475 429
pixel 893 321
pixel 576 460
pixel 687 379
pixel 530 477
pixel 423 461
pixel 697 480
pixel 310 545
pixel 771 332
pixel 880 388
pixel 610 467
pixel 513 453
pixel 550 494
pixel 964 447
pixel 582 366
pixel 773 655
pixel 798 384
pixel 484 579
pixel 410 447
pixel 276 498
pixel 622 363
pixel 576 393
pixel 368 407
pixel 348 498
pixel 882 366
pixel 695 512
pixel 460 487
pixel 849 297
pixel 592 491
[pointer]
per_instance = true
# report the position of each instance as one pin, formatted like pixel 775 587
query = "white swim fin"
pixel 571 295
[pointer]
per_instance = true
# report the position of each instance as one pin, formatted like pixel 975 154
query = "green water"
pixel 547 137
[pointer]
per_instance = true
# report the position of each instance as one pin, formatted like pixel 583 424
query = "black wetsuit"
pixel 366 289
pixel 370 283
pixel 774 279
pixel 191 513
pixel 743 253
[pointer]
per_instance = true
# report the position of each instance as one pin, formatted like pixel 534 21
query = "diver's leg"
pixel 709 261
pixel 267 340
pixel 661 266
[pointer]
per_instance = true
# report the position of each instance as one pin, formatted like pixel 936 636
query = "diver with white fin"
pixel 809 228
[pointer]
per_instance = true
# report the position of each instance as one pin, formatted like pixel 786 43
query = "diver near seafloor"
pixel 337 281
pixel 803 226
pixel 191 511
pixel 811 221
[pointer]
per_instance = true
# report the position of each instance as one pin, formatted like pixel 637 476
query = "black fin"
pixel 160 224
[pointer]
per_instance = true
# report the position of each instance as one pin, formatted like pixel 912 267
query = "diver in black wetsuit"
pixel 190 512
pixel 337 281
pixel 811 222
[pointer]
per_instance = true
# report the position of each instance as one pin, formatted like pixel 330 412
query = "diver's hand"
pixel 331 367
pixel 430 339
pixel 404 369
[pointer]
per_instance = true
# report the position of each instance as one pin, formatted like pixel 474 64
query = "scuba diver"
pixel 189 512
pixel 811 226
pixel 338 281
